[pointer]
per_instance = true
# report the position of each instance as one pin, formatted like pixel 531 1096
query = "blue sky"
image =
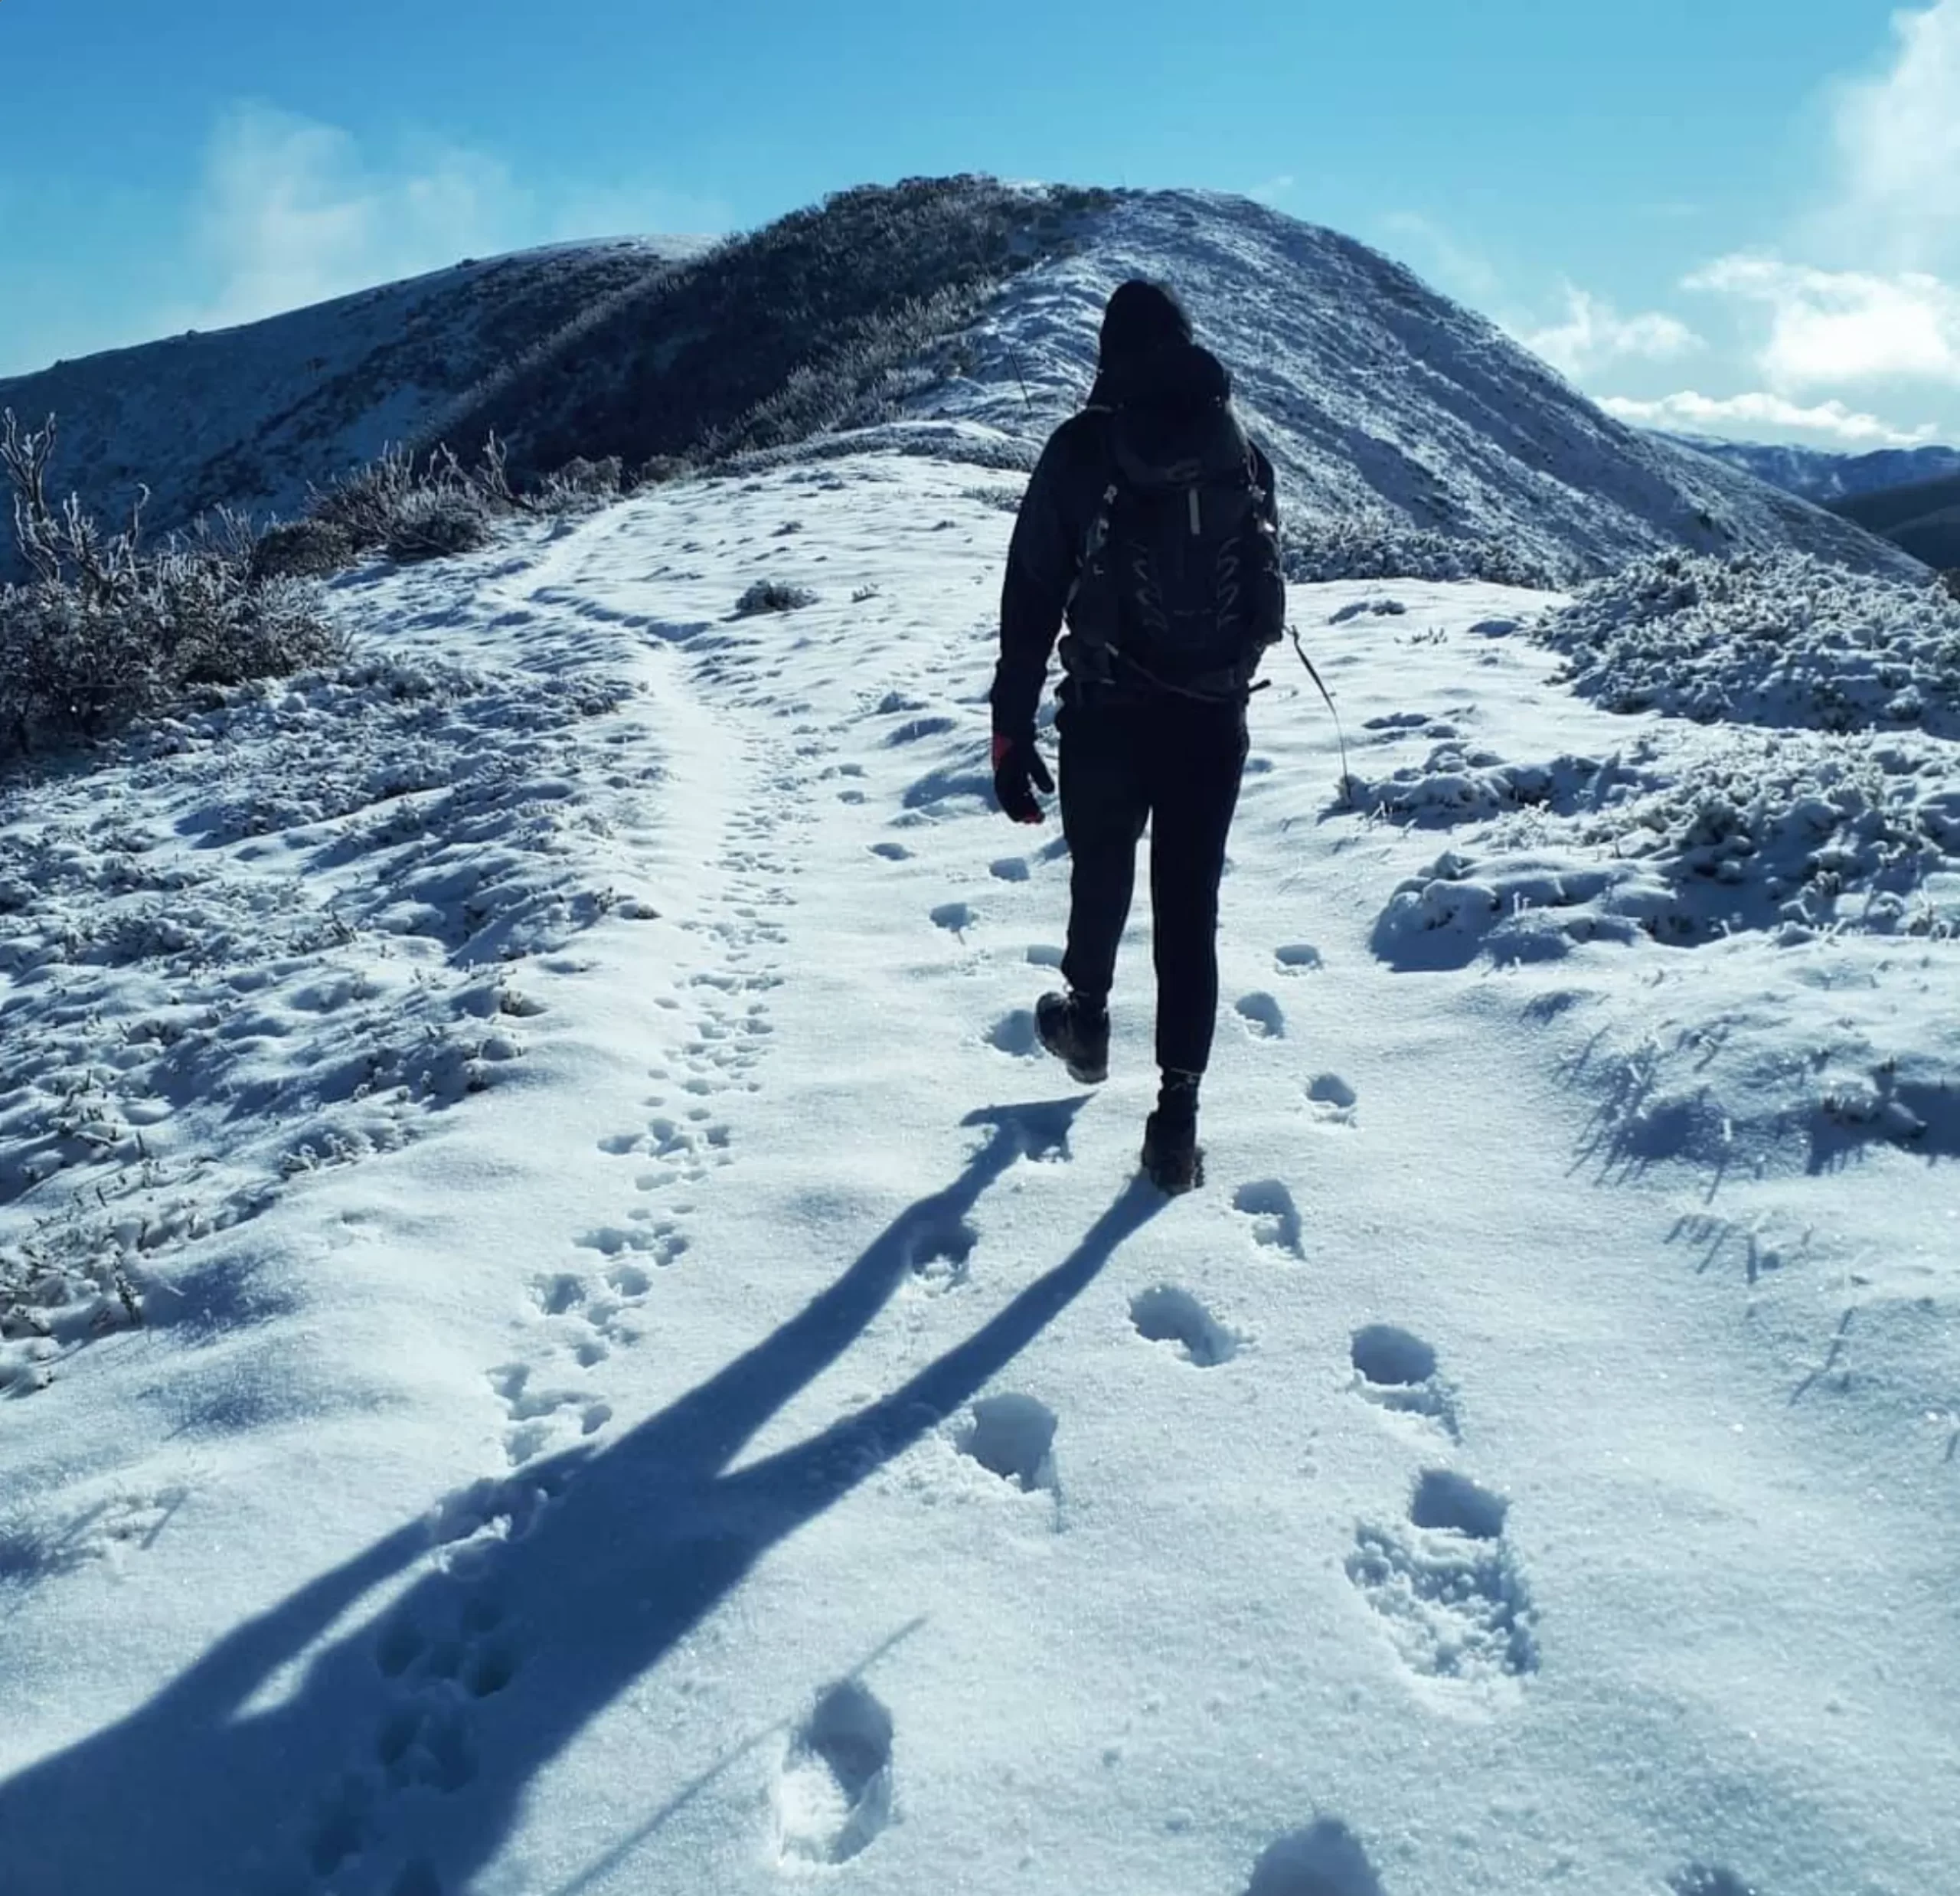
pixel 1740 214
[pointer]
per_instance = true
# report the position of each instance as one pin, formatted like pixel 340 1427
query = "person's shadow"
pixel 396 1761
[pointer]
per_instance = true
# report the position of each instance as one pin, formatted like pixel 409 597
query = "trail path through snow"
pixel 769 1434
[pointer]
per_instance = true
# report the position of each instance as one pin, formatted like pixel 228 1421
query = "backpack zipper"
pixel 1198 528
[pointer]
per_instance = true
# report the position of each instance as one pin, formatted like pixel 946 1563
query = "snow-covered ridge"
pixel 1387 407
pixel 248 417
pixel 1376 396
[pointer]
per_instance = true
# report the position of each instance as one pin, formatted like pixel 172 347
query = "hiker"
pixel 1149 524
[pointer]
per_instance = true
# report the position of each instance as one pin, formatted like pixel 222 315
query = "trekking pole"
pixel 1340 736
pixel 1014 355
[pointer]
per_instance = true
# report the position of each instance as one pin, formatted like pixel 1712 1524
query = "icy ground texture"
pixel 764 1441
pixel 1766 638
pixel 275 936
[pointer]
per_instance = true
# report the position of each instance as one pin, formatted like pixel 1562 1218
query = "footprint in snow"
pixel 1700 1879
pixel 1040 954
pixel 1168 1315
pixel 892 851
pixel 1396 1370
pixel 833 1794
pixel 1276 1218
pixel 1325 1859
pixel 558 1294
pixel 1446 1586
pixel 1015 1033
pixel 1010 869
pixel 953 917
pixel 1263 1016
pixel 1013 1437
pixel 940 1259
pixel 1298 957
pixel 1331 1099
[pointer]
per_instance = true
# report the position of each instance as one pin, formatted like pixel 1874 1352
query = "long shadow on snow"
pixel 398 1759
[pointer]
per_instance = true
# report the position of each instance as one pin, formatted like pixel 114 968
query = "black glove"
pixel 1017 765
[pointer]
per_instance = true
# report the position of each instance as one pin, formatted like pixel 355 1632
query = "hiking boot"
pixel 1077 1034
pixel 1171 1153
pixel 1171 1156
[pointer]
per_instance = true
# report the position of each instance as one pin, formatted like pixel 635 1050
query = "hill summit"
pixel 956 314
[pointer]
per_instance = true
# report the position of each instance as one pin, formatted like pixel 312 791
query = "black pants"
pixel 1175 765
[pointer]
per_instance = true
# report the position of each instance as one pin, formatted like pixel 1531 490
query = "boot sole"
pixel 1079 1070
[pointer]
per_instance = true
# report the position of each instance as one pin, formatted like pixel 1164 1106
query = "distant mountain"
pixel 1820 475
pixel 1923 518
pixel 959 315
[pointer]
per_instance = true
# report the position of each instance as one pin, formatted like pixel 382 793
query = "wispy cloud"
pixel 1829 327
pixel 1881 309
pixel 1594 334
pixel 1898 139
pixel 1689 413
pixel 291 211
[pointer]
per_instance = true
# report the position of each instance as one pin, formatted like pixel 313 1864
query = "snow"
pixel 650 1380
pixel 1392 415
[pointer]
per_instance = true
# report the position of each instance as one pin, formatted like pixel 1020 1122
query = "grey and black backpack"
pixel 1180 589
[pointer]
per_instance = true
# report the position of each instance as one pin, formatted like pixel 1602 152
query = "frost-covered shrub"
pixel 412 511
pixel 364 503
pixel 433 522
pixel 106 630
pixel 772 596
pixel 1777 638
pixel 301 549
pixel 1366 544
pixel 579 484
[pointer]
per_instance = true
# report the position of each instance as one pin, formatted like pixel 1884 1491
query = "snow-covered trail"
pixel 769 1434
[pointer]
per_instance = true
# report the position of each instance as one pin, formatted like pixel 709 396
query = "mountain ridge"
pixel 1378 398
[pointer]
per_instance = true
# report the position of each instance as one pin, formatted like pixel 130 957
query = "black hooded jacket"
pixel 1064 493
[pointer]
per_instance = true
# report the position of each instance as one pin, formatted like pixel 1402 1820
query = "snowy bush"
pixel 772 596
pixel 301 549
pixel 1777 638
pixel 1366 544
pixel 107 631
pixel 443 505
pixel 433 522
pixel 578 484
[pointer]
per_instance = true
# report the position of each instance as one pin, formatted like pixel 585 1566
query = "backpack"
pixel 1180 587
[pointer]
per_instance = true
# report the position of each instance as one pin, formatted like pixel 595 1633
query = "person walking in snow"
pixel 1150 527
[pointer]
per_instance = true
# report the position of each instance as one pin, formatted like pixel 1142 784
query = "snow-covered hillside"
pixel 247 417
pixel 649 1382
pixel 1376 394
pixel 1380 400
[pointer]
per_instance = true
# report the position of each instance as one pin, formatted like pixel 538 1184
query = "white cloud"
pixel 1750 415
pixel 1594 334
pixel 1830 327
pixel 291 211
pixel 1898 138
pixel 1884 310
